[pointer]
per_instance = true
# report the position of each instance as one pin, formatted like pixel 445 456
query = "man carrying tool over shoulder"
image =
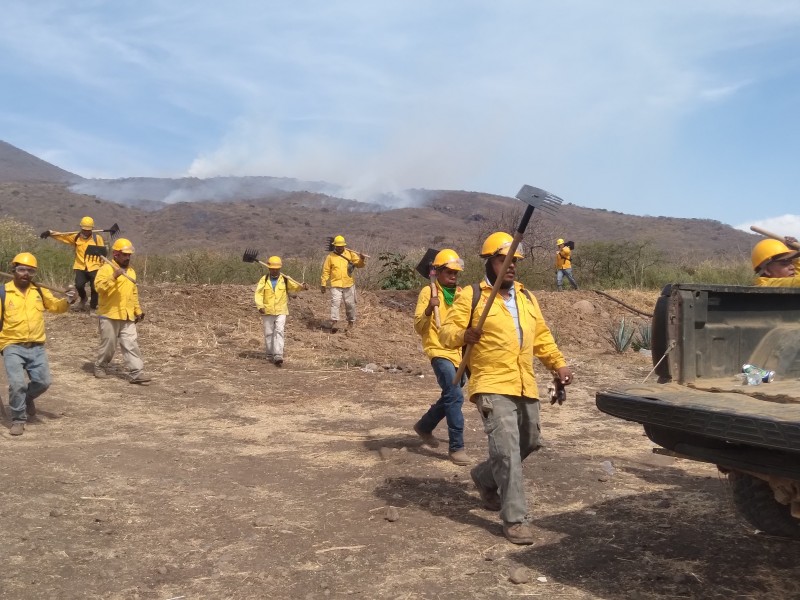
pixel 85 271
pixel 22 337
pixel 337 270
pixel 564 265
pixel 119 311
pixel 443 360
pixel 272 301
pixel 776 264
pixel 502 382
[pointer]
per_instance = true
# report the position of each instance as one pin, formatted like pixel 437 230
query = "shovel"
pixel 774 236
pixel 331 247
pixel 111 231
pixel 99 253
pixel 534 198
pixel 41 285
pixel 251 256
pixel 427 270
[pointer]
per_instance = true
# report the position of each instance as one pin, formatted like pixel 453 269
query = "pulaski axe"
pixel 427 270
pixel 111 231
pixel 774 236
pixel 99 253
pixel 534 198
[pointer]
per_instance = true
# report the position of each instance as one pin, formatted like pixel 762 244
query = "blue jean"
pixel 448 406
pixel 18 361
pixel 560 274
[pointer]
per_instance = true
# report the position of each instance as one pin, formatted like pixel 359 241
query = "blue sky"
pixel 684 108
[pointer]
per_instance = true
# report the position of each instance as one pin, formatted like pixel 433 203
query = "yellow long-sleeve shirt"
pixel 118 298
pixel 337 268
pixel 425 326
pixel 23 314
pixel 563 258
pixel 500 363
pixel 80 244
pixel 777 281
pixel 275 302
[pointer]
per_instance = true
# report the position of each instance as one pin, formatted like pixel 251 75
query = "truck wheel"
pixel 755 502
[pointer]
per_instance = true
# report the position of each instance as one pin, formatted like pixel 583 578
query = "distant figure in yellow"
pixel 564 265
pixel 119 311
pixel 22 337
pixel 272 301
pixel 775 264
pixel 85 271
pixel 337 272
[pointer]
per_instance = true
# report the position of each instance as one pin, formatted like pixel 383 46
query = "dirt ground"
pixel 230 478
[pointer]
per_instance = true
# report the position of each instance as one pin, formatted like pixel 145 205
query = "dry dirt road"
pixel 230 478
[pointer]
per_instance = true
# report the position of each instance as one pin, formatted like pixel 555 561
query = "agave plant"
pixel 643 337
pixel 621 335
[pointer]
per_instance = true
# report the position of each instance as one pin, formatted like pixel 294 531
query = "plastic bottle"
pixel 757 375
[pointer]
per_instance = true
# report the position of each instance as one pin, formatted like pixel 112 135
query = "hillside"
pixel 283 219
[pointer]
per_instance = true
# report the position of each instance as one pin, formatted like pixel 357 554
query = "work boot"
pixel 141 379
pixel 518 533
pixel 100 372
pixel 459 457
pixel 489 497
pixel 278 362
pixel 82 306
pixel 427 438
pixel 334 326
pixel 270 358
pixel 351 324
pixel 17 428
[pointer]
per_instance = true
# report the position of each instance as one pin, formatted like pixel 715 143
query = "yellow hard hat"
pixel 87 223
pixel 559 241
pixel 339 241
pixel 769 250
pixel 123 245
pixel 498 243
pixel 25 258
pixel 448 258
pixel 274 262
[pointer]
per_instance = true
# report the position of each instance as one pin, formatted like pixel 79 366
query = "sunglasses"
pixel 30 270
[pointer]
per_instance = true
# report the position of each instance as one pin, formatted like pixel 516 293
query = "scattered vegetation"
pixel 398 271
pixel 643 338
pixel 620 334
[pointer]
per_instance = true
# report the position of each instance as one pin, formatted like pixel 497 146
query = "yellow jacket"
pixel 80 243
pixel 563 260
pixel 777 281
pixel 23 314
pixel 118 298
pixel 275 302
pixel 338 268
pixel 426 327
pixel 499 363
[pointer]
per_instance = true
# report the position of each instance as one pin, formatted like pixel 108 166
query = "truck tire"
pixel 755 501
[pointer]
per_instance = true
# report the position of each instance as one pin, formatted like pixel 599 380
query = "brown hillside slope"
pixel 18 165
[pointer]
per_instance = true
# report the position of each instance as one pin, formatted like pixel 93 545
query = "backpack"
pixel 3 302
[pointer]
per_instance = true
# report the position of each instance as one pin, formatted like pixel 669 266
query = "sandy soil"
pixel 230 478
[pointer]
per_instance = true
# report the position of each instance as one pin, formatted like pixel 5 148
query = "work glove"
pixel 72 294
pixel 263 311
pixel 323 289
pixel 45 234
pixel 138 318
pixel 305 286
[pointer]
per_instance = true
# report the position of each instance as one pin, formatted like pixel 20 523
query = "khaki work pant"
pixel 347 294
pixel 112 330
pixel 512 424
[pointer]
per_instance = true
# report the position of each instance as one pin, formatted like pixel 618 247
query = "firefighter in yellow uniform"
pixel 564 265
pixel 272 301
pixel 85 271
pixel 502 382
pixel 775 264
pixel 444 361
pixel 119 312
pixel 22 337
pixel 337 273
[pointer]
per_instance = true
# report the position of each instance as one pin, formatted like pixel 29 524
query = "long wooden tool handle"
pixel 76 232
pixel 37 284
pixel 495 289
pixel 774 236
pixel 282 273
pixel 125 275
pixel 435 293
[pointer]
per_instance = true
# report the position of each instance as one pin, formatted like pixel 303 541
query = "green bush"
pixel 398 272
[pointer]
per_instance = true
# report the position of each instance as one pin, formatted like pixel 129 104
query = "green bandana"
pixel 448 294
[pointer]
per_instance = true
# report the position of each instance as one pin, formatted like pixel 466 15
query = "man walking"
pixel 119 311
pixel 272 301
pixel 502 382
pixel 85 271
pixel 337 273
pixel 22 337
pixel 564 265
pixel 443 360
